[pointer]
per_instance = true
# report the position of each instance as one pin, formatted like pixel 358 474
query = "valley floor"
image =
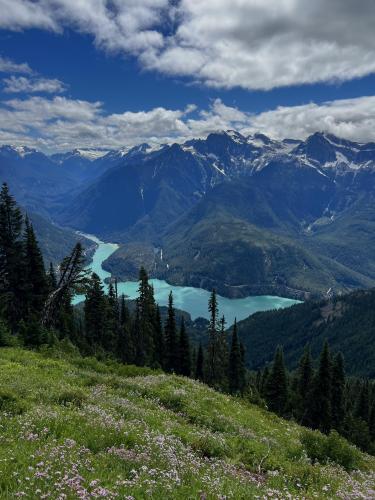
pixel 77 428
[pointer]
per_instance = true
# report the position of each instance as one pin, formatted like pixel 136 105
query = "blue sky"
pixel 117 73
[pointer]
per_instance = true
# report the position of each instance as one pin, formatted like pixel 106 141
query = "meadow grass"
pixel 79 428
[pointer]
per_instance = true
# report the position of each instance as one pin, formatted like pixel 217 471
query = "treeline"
pixel 36 309
pixel 321 398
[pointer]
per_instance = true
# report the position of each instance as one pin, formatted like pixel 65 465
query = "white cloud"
pixel 27 85
pixel 9 66
pixel 352 119
pixel 59 123
pixel 255 44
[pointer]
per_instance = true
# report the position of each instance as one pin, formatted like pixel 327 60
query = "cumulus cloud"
pixel 352 119
pixel 27 85
pixel 255 44
pixel 9 66
pixel 59 123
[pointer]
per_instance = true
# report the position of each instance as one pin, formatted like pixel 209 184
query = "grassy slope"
pixel 93 430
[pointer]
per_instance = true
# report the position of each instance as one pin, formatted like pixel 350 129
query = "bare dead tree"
pixel 73 279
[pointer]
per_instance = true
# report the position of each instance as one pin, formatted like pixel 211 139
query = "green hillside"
pixel 76 428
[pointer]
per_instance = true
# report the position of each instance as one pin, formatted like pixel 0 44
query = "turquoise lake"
pixel 190 299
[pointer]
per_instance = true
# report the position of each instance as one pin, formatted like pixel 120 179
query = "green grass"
pixel 77 428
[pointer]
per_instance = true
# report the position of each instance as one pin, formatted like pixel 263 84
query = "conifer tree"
pixel 95 309
pixel 277 384
pixel 171 337
pixel 305 378
pixel 322 393
pixel 159 341
pixel 199 371
pixel 185 354
pixel 36 284
pixel 12 266
pixel 110 340
pixel 124 312
pixel 146 320
pixel 212 363
pixel 338 392
pixel 235 363
pixel 363 404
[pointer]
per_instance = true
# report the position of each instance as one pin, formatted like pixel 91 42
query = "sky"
pixel 115 73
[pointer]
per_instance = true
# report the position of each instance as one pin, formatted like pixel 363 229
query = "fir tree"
pixel 12 265
pixel 36 284
pixel 159 341
pixel 199 371
pixel 146 320
pixel 95 309
pixel 185 354
pixel 235 363
pixel 322 393
pixel 338 392
pixel 363 404
pixel 305 378
pixel 212 364
pixel 171 337
pixel 277 384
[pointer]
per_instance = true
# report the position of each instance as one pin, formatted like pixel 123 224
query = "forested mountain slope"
pixel 347 322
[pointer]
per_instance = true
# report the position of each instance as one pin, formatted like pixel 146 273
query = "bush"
pixel 9 403
pixel 332 448
pixel 71 397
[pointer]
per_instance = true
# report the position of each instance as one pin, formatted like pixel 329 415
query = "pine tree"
pixel 304 385
pixel 12 266
pixel 338 392
pixel 235 363
pixel 110 341
pixel 222 357
pixel 199 371
pixel 159 341
pixel 277 384
pixel 171 337
pixel 36 284
pixel 322 393
pixel 363 403
pixel 146 319
pixel 212 364
pixel 185 354
pixel 95 310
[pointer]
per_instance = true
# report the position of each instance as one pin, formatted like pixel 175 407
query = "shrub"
pixel 71 397
pixel 332 448
pixel 10 403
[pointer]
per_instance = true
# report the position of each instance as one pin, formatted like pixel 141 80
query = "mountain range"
pixel 246 214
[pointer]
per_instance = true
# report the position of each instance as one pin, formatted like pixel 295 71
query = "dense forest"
pixel 36 309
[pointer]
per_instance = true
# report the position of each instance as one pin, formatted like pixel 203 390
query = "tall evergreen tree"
pixel 146 320
pixel 185 354
pixel 322 392
pixel 235 363
pixel 51 278
pixel 36 284
pixel 305 378
pixel 95 309
pixel 277 384
pixel 199 370
pixel 338 392
pixel 363 404
pixel 212 362
pixel 159 341
pixel 171 337
pixel 12 266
